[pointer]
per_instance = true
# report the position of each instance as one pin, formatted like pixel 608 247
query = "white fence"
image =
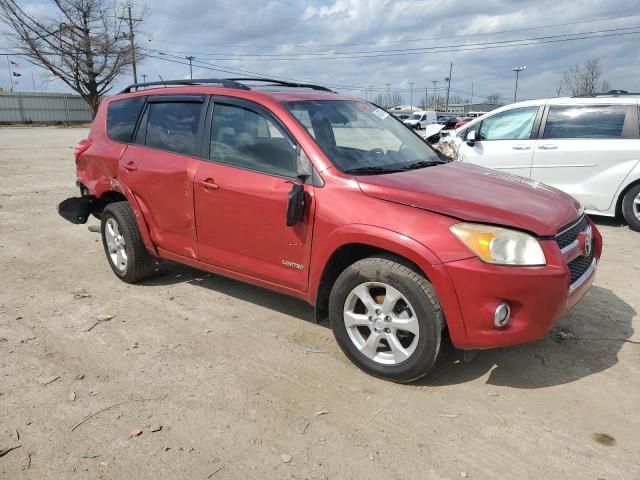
pixel 42 107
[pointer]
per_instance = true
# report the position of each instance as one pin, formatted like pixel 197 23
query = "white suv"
pixel 588 147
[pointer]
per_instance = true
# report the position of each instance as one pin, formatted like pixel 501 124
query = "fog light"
pixel 502 315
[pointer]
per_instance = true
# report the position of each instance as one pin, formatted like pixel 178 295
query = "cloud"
pixel 214 31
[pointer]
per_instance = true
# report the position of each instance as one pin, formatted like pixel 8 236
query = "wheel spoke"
pixel 371 345
pixel 352 319
pixel 406 324
pixel 362 292
pixel 400 354
pixel 391 297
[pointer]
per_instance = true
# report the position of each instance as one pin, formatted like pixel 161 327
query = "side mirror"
pixel 295 204
pixel 472 138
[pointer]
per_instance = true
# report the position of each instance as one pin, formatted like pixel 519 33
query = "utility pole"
pixel 448 80
pixel 517 70
pixel 411 97
pixel 191 58
pixel 435 96
pixel 471 95
pixel 426 97
pixel 129 19
pixel 388 95
pixel 144 78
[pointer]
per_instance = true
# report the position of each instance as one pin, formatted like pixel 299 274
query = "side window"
pixel 592 121
pixel 122 116
pixel 173 126
pixel 473 128
pixel 513 124
pixel 245 138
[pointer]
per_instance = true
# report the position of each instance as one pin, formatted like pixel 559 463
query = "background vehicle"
pixel 462 122
pixel 243 182
pixel 448 122
pixel 588 147
pixel 419 120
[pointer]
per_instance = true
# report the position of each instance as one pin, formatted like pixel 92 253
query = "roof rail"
pixel 273 81
pixel 610 93
pixel 225 82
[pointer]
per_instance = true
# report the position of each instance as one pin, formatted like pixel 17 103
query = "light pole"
pixel 411 97
pixel 517 70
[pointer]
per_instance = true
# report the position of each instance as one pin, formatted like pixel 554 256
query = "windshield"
pixel 415 116
pixel 360 137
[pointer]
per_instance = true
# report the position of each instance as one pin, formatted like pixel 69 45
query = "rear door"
pixel 587 150
pixel 241 197
pixel 159 168
pixel 505 140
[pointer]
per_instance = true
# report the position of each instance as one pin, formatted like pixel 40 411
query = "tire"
pixel 631 207
pixel 123 246
pixel 417 310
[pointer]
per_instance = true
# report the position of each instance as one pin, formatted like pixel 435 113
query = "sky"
pixel 358 47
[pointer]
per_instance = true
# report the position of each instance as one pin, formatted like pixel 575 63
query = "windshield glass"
pixel 416 116
pixel 358 136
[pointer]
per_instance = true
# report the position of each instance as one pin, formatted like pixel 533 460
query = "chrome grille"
pixel 578 266
pixel 569 235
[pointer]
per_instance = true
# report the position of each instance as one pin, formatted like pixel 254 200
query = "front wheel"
pixel 631 207
pixel 387 319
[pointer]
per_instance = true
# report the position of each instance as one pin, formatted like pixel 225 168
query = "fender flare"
pixel 113 185
pixel 401 245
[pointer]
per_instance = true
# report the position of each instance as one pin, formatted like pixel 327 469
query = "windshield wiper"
pixel 373 169
pixel 422 164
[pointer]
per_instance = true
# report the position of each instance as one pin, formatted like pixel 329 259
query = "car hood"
pixel 477 194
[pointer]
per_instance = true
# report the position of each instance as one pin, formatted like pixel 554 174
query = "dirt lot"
pixel 229 381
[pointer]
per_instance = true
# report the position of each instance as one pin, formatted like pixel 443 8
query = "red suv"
pixel 331 199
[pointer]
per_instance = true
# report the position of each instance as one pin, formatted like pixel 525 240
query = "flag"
pixel 16 74
pixel 17 65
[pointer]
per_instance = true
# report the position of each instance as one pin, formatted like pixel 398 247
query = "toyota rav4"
pixel 330 199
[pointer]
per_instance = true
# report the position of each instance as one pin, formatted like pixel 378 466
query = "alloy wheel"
pixel 381 323
pixel 115 244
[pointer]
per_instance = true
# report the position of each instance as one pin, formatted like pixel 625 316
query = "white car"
pixel 420 120
pixel 588 147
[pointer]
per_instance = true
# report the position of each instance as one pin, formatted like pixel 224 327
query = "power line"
pixel 388 42
pixel 424 50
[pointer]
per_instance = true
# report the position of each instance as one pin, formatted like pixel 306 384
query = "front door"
pixel 504 141
pixel 241 198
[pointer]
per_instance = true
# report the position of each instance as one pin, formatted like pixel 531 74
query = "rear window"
pixel 174 126
pixel 122 116
pixel 593 121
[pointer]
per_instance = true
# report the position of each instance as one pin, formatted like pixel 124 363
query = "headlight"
pixel 500 246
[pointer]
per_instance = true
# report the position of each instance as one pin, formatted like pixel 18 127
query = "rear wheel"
pixel 631 207
pixel 386 319
pixel 123 246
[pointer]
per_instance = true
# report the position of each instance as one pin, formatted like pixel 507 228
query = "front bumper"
pixel 538 296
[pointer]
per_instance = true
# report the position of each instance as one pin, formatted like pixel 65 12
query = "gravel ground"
pixel 229 381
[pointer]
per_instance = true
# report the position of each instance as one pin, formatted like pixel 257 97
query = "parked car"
pixel 448 122
pixel 331 199
pixel 403 116
pixel 588 147
pixel 462 122
pixel 419 120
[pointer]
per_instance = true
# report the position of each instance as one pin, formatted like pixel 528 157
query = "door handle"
pixel 521 147
pixel 208 184
pixel 548 147
pixel 131 167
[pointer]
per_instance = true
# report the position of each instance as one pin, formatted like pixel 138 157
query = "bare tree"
pixel 394 99
pixel 494 98
pixel 85 43
pixel 585 78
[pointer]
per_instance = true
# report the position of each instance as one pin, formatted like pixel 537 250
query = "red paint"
pixel 232 221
